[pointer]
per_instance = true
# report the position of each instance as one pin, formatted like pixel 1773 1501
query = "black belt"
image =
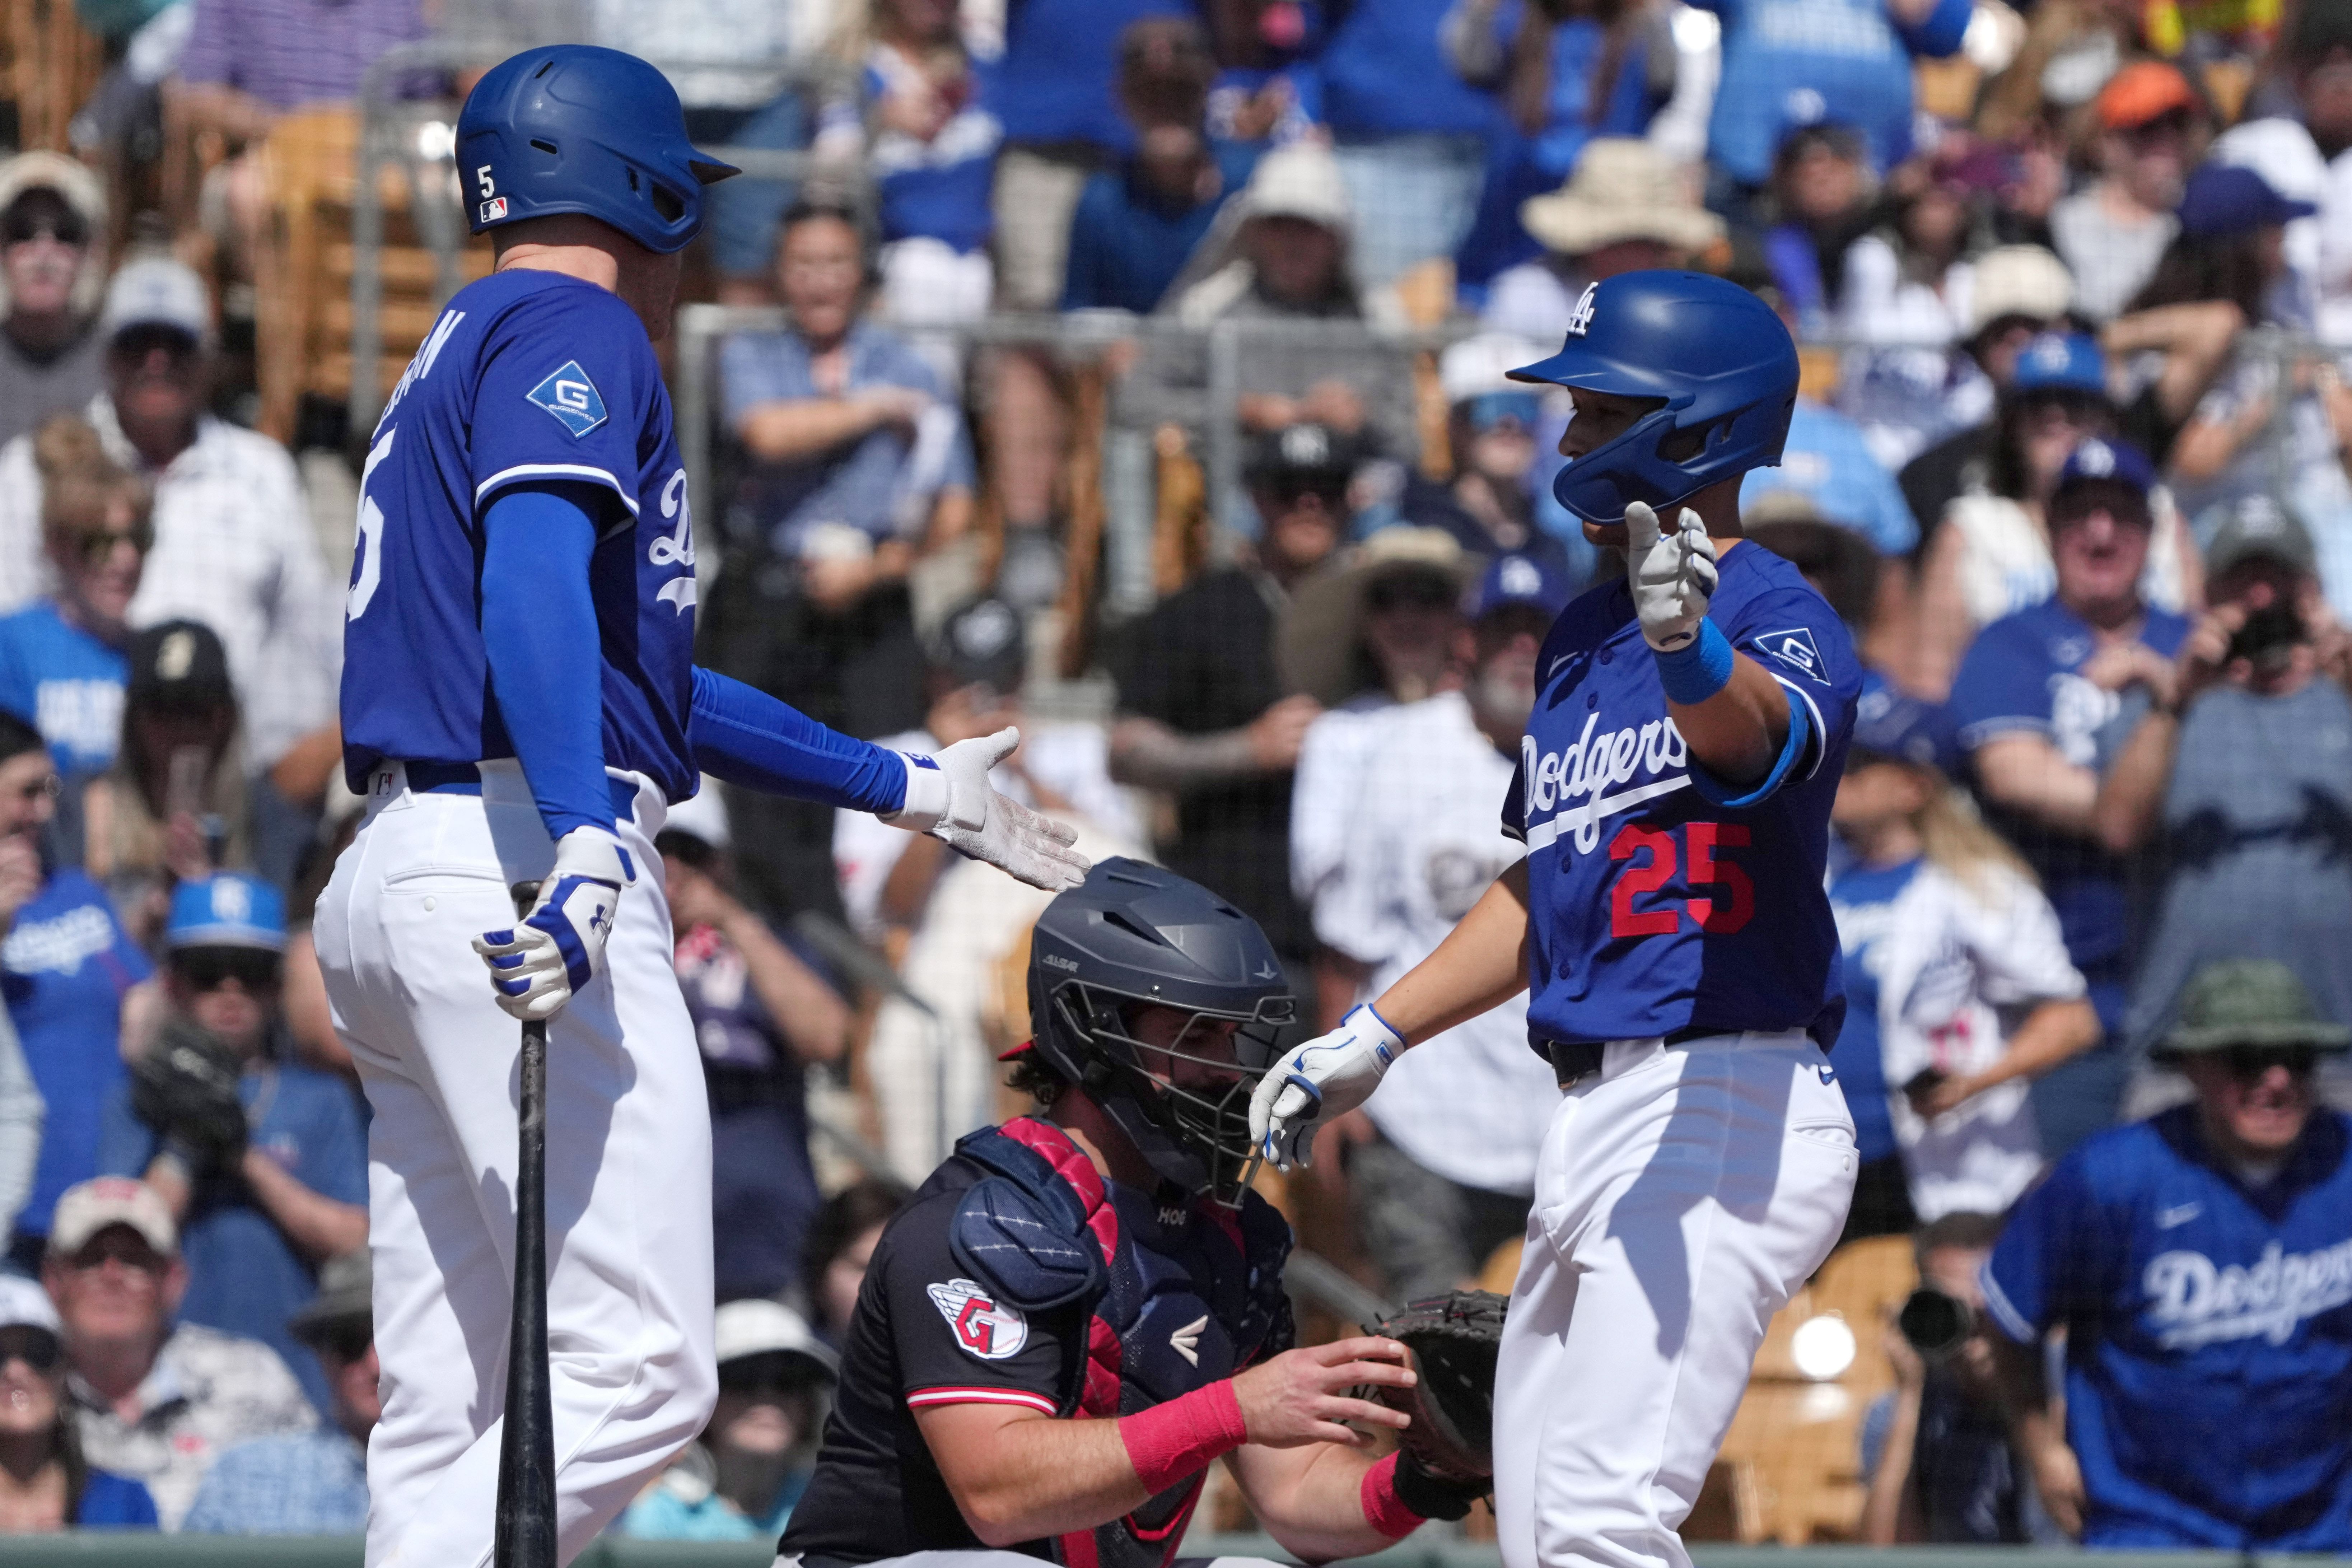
pixel 1575 1060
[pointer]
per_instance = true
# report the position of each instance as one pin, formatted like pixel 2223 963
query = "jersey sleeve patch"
pixel 986 1328
pixel 1795 648
pixel 572 397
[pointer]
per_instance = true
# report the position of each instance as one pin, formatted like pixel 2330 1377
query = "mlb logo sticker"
pixel 1795 649
pixel 572 397
pixel 984 1326
pixel 493 209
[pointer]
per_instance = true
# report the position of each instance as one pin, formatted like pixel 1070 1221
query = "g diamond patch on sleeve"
pixel 572 397
pixel 1795 649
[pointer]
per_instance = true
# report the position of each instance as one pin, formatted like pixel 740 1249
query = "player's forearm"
pixel 539 638
pixel 1311 1499
pixel 1482 964
pixel 1026 1480
pixel 746 737
pixel 1149 754
pixel 1736 734
pixel 318 1226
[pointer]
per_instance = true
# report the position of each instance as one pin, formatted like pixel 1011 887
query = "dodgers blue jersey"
pixel 1662 899
pixel 2209 1349
pixel 527 377
pixel 1862 899
pixel 66 683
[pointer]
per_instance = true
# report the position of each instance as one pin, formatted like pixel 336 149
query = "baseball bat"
pixel 526 1518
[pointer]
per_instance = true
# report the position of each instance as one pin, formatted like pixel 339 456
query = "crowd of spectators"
pixel 2074 285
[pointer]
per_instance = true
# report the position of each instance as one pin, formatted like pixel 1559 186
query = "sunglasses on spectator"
pixel 97 545
pixel 1289 493
pixel 1409 591
pixel 1491 409
pixel 32 1344
pixel 208 968
pixel 137 343
pixel 23 229
pixel 117 1245
pixel 770 1372
pixel 346 1341
pixel 2249 1064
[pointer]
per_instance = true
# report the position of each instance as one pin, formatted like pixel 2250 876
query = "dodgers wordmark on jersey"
pixel 529 377
pixel 1674 902
pixel 2208 1319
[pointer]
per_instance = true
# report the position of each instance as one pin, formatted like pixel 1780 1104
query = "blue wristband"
pixel 1696 670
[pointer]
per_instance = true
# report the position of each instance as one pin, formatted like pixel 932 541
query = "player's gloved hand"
pixel 1673 577
pixel 537 966
pixel 1320 1082
pixel 953 800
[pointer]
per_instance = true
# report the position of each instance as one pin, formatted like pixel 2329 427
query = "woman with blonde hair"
pixel 1959 992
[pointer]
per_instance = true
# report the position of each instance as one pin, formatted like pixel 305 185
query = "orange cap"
pixel 2145 91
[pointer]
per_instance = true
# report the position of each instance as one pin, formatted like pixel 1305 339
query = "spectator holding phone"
pixel 2195 1262
pixel 2240 766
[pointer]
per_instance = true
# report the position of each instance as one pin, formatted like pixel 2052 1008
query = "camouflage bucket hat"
pixel 2248 1002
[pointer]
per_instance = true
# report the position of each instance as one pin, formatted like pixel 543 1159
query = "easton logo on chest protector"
pixel 572 397
pixel 984 1326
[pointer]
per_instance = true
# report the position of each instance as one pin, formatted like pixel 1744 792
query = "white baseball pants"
pixel 628 1173
pixel 1681 1196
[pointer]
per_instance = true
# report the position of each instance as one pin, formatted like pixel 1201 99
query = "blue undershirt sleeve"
pixel 539 633
pixel 746 737
pixel 1723 793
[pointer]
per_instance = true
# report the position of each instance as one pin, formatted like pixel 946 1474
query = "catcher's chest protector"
pixel 1180 1298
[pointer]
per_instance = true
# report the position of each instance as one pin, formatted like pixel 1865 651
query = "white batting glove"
pixel 1320 1082
pixel 949 796
pixel 1672 578
pixel 537 966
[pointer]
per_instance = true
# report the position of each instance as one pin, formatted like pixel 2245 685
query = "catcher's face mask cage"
pixel 1184 1102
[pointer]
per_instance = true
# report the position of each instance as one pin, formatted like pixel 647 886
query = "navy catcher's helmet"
pixel 1716 354
pixel 570 128
pixel 1131 935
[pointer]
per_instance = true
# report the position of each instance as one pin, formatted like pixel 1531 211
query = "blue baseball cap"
pixel 1518 580
pixel 228 909
pixel 2062 362
pixel 1894 726
pixel 2101 460
pixel 2225 199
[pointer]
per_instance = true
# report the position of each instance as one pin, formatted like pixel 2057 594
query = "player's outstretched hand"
pixel 559 948
pixel 979 822
pixel 1320 1082
pixel 1673 577
pixel 1301 1396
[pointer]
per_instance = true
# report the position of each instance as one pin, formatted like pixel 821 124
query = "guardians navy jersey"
pixel 528 376
pixel 2208 1346
pixel 1662 899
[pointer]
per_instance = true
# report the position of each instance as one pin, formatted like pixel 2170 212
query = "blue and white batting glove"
pixel 537 966
pixel 1672 578
pixel 950 797
pixel 1320 1083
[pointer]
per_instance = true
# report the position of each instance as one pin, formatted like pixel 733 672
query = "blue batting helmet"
pixel 570 128
pixel 1717 357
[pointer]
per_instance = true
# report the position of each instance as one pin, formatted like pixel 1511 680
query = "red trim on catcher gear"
pixel 1070 1163
pixel 922 1398
pixel 1017 1052
pixel 1170 1442
pixel 1383 1510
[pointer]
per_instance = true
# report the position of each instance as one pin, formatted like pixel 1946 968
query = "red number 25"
pixel 1721 916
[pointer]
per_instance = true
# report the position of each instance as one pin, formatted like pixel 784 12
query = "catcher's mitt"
pixel 1452 1340
pixel 185 1087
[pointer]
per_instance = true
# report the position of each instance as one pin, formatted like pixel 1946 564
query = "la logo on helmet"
pixel 1579 321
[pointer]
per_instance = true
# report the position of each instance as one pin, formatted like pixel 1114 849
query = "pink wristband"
pixel 1172 1442
pixel 1383 1510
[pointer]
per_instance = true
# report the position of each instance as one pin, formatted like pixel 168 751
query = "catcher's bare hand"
pixel 1301 1396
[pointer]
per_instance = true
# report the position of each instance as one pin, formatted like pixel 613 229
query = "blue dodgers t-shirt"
pixel 1861 897
pixel 936 189
pixel 1661 898
pixel 66 683
pixel 1795 61
pixel 1056 78
pixel 527 377
pixel 1126 244
pixel 244 1276
pixel 1385 74
pixel 2023 676
pixel 110 1501
pixel 2209 1324
pixel 64 969
pixel 1828 462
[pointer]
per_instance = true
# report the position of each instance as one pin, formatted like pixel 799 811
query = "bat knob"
pixel 525 894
